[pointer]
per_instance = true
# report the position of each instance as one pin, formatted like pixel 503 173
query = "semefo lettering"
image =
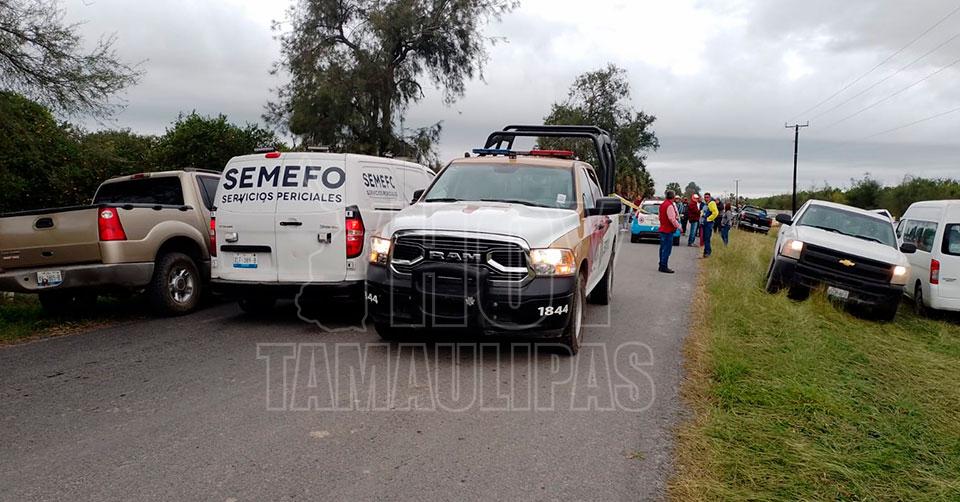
pixel 332 177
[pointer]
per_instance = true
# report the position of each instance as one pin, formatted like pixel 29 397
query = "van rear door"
pixel 246 205
pixel 310 218
pixel 950 260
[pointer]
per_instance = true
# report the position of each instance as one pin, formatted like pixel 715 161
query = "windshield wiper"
pixel 868 238
pixel 829 229
pixel 442 199
pixel 515 201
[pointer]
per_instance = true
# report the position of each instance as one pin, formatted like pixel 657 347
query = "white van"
pixel 934 227
pixel 283 221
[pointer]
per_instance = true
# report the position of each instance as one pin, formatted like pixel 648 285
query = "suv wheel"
pixel 175 288
pixel 572 337
pixel 603 291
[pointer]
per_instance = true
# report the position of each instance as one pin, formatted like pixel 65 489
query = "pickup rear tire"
pixel 176 285
pixel 572 337
pixel 67 302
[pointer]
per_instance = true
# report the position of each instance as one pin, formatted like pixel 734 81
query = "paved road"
pixel 183 409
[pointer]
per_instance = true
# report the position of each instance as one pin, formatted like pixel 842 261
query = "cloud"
pixel 721 76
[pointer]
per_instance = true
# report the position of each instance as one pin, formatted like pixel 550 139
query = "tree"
pixel 865 192
pixel 602 98
pixel 43 58
pixel 208 142
pixel 691 189
pixel 33 146
pixel 674 186
pixel 356 65
pixel 102 155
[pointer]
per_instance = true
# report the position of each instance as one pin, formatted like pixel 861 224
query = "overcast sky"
pixel 722 78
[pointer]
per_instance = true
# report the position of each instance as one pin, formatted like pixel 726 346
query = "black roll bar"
pixel 602 142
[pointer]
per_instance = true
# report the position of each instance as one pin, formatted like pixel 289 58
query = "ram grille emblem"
pixel 453 256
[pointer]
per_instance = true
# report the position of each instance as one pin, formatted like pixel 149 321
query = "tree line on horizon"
pixel 869 193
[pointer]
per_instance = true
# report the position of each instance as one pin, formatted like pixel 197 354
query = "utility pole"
pixel 796 143
pixel 736 199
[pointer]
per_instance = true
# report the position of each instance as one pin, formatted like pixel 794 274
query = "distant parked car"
pixel 851 251
pixel 755 219
pixel 934 228
pixel 645 223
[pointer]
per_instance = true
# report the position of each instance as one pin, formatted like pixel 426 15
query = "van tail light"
pixel 108 223
pixel 355 232
pixel 934 272
pixel 213 235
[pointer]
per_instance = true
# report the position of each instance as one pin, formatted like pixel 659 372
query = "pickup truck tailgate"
pixel 46 238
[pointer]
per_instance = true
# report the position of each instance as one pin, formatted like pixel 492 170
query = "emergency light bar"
pixel 561 154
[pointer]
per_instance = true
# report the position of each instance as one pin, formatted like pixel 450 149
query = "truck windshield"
pixel 539 186
pixel 844 222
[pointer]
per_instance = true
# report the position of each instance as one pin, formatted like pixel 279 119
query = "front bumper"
pixel 94 276
pixel 754 226
pixel 457 297
pixel 793 273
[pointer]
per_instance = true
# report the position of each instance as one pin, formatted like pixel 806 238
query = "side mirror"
pixel 784 219
pixel 416 195
pixel 908 248
pixel 606 206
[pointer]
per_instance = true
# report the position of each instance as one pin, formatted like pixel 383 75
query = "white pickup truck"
pixel 851 251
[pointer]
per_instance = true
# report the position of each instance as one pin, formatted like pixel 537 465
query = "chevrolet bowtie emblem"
pixel 847 263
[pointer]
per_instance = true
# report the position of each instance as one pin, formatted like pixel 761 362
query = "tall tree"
pixel 43 58
pixel 208 142
pixel 673 185
pixel 691 189
pixel 602 98
pixel 356 65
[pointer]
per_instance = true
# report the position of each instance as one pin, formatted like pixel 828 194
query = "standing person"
pixel 693 216
pixel 726 221
pixel 684 206
pixel 710 214
pixel 669 223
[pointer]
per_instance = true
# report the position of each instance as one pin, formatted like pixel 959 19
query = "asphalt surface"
pixel 183 409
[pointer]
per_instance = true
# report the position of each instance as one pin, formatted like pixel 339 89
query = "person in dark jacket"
pixel 684 206
pixel 693 216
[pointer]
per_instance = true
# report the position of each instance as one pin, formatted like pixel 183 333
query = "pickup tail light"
pixel 213 235
pixel 934 272
pixel 108 223
pixel 355 232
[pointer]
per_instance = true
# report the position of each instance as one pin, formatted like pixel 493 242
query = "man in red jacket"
pixel 669 223
pixel 693 215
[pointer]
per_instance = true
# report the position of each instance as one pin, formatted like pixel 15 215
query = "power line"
pixel 881 63
pixel 888 77
pixel 875 103
pixel 915 122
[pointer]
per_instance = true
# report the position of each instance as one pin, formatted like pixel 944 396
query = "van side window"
pixel 951 239
pixel 921 234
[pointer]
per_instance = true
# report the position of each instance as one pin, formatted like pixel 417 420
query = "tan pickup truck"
pixel 141 232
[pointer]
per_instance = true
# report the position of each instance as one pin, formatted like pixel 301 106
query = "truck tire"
pixel 603 291
pixel 918 306
pixel 634 238
pixel 572 337
pixel 176 285
pixel 257 305
pixel 798 293
pixel 774 284
pixel 67 302
pixel 887 312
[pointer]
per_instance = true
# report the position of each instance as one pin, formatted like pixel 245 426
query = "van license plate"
pixel 245 260
pixel 840 294
pixel 49 278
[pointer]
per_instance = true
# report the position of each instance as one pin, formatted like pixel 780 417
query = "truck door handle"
pixel 291 223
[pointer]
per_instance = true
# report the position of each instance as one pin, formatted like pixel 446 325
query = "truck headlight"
pixel 792 249
pixel 899 275
pixel 553 262
pixel 379 250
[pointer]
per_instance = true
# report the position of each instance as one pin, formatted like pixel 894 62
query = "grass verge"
pixel 803 401
pixel 22 318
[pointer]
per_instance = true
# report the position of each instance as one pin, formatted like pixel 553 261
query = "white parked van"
pixel 286 220
pixel 934 227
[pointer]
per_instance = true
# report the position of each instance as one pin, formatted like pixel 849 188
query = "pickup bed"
pixel 141 232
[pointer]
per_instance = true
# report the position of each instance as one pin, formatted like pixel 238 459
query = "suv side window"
pixel 208 190
pixel 585 189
